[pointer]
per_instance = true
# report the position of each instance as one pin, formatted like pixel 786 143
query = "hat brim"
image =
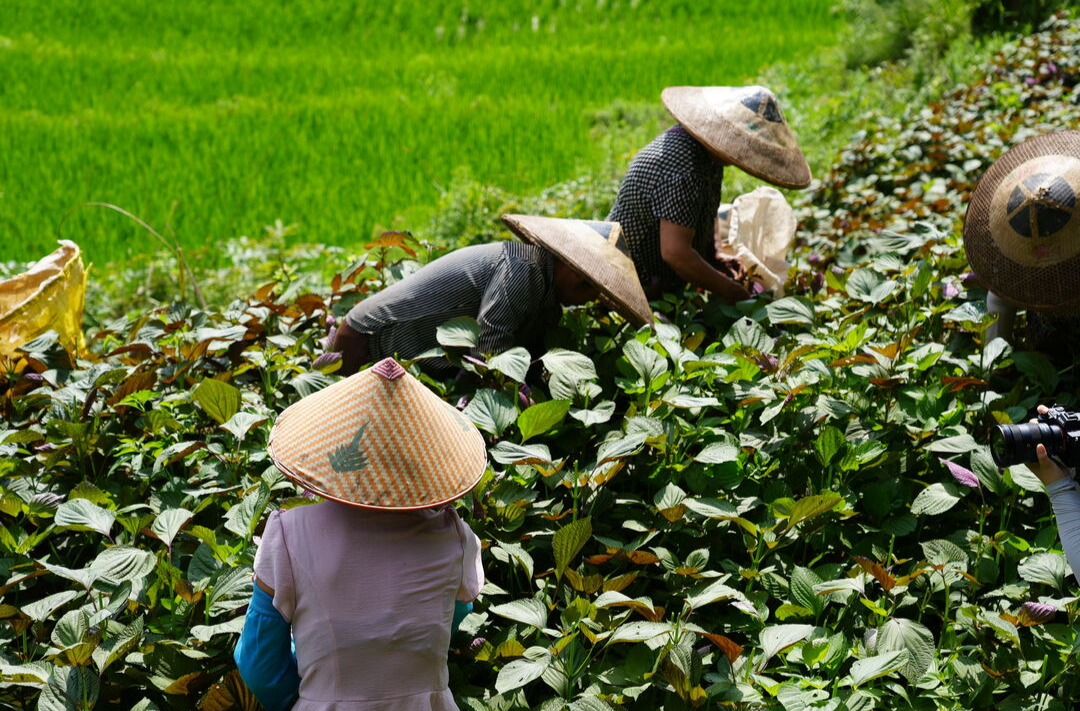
pixel 379 442
pixel 596 256
pixel 1049 288
pixel 770 160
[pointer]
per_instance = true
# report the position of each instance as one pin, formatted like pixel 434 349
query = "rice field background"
pixel 343 117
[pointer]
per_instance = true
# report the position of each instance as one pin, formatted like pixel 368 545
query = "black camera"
pixel 1058 430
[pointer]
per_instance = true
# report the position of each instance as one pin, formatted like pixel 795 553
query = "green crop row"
pixel 341 118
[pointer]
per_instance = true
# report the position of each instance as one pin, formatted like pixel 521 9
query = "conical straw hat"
pixel 743 125
pixel 379 439
pixel 1022 230
pixel 593 249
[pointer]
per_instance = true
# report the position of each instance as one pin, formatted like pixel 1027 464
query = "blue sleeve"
pixel 460 610
pixel 264 654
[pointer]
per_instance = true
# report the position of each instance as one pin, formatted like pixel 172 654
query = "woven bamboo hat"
pixel 743 125
pixel 1022 230
pixel 596 250
pixel 379 439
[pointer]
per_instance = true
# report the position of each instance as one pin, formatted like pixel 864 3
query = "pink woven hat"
pixel 744 126
pixel 1022 228
pixel 596 250
pixel 379 439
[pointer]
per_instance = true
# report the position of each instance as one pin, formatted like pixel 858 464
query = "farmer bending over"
pixel 668 199
pixel 513 290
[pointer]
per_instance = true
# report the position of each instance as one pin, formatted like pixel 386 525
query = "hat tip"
pixel 388 369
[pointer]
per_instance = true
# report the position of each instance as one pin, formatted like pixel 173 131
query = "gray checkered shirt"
pixel 507 286
pixel 674 178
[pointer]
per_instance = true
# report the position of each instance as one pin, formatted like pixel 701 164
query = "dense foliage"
pixel 782 505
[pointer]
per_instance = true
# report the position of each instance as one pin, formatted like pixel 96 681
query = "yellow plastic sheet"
pixel 49 296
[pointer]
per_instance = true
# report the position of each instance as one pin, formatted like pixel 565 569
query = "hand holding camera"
pixel 1048 445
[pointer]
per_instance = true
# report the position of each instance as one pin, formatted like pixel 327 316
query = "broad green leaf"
pixel 935 499
pixel 492 411
pixel 802 585
pixel 712 508
pixel 1037 368
pixel 622 447
pixel 828 443
pixel 861 284
pixel 32 674
pixel 568 541
pixel 71 629
pixel 1002 628
pixel 591 703
pixel 230 591
pixel 218 399
pixel 570 365
pixel 84 576
pixel 640 631
pixel 243 517
pixel 810 507
pixel 541 417
pixel 871 668
pixel 791 309
pixel 242 422
pixel 968 312
pixel 726 449
pixel 942 552
pixel 118 642
pixel 168 524
pixel 204 633
pixel 82 515
pixel 600 413
pixel 121 563
pixel 617 599
pixel 714 592
pixel 793 697
pixel 646 362
pixel 777 638
pixel 994 351
pixel 513 363
pixel 527 611
pixel 1045 568
pixel 509 453
pixel 43 609
pixel 520 672
pixel 900 633
pixel 1022 477
pixel 67 688
pixel 960 444
pixel 750 334
pixel 462 332
pixel 311 381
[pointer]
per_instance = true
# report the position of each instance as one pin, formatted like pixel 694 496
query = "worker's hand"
pixel 1046 468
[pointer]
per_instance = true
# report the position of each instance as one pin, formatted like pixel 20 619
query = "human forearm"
pixel 692 267
pixel 1065 497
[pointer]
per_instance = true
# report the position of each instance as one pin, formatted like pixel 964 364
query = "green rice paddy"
pixel 340 116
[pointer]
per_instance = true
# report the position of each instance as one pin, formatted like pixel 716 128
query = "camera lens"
pixel 1015 444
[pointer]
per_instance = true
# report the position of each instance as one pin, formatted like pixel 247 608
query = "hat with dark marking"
pixel 379 439
pixel 597 251
pixel 1022 231
pixel 744 126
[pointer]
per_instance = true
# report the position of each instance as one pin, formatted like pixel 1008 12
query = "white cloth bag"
pixel 758 231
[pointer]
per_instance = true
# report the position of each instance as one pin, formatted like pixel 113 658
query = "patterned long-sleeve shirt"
pixel 674 178
pixel 507 287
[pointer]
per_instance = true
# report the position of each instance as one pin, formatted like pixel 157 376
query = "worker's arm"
pixel 677 251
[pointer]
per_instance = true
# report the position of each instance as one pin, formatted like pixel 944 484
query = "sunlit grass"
pixel 339 117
